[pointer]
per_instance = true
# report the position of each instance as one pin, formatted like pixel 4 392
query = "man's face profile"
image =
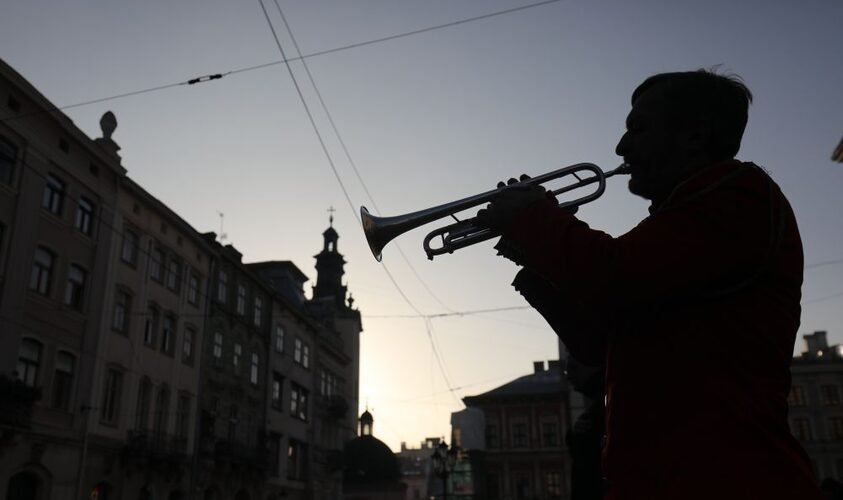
pixel 651 146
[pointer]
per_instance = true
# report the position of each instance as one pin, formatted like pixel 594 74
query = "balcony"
pixel 16 402
pixel 334 407
pixel 158 445
pixel 238 454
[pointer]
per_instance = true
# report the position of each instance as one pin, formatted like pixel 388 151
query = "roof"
pixel 543 383
pixel 285 265
pixel 369 461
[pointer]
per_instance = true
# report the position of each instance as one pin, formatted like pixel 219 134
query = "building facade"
pixel 523 453
pixel 58 192
pixel 143 359
pixel 816 404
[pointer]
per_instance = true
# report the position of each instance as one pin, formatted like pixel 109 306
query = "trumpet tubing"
pixel 381 230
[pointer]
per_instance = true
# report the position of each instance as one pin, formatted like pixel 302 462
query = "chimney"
pixel 538 366
pixel 554 365
pixel 816 343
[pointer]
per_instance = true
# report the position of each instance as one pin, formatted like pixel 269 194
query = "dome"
pixel 368 460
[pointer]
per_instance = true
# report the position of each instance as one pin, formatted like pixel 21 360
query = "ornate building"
pixel 142 359
pixel 522 454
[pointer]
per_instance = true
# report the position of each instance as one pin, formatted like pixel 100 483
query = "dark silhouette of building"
pixel 371 471
pixel 143 359
pixel 816 404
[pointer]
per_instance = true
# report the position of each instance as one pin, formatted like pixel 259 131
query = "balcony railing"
pixel 238 453
pixel 153 443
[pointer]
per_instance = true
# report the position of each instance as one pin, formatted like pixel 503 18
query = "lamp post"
pixel 444 461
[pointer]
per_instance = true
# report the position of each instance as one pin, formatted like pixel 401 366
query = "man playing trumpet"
pixel 694 312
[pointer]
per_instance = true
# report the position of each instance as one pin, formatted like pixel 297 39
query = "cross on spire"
pixel 331 211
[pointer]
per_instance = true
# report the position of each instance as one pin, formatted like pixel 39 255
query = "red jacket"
pixel 695 312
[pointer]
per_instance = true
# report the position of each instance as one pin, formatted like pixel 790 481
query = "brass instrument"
pixel 381 230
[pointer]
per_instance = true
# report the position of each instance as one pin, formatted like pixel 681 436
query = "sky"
pixel 428 119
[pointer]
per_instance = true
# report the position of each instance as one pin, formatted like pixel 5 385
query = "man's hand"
pixel 514 198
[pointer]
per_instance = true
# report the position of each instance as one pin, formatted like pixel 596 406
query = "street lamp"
pixel 444 461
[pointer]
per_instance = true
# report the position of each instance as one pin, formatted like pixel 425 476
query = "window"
pixel 796 396
pixel 492 487
pixel 53 195
pixel 305 356
pixel 241 300
pixel 233 420
pixel 8 155
pixel 217 347
pixel 835 428
pixel 328 383
pixel 156 264
pixel 253 375
pixel 519 434
pixel 150 327
pixel 167 333
pixel 129 252
pixel 75 292
pixel 173 274
pixel 802 429
pixel 277 391
pixel 550 434
pixel 235 358
pixel 85 216
pixel 162 410
pixel 109 408
pixel 63 380
pixel 193 289
pixel 492 435
pixel 830 395
pixel 182 417
pixel 522 486
pixel 553 484
pixel 298 401
pixel 258 310
pixel 42 270
pixel 122 309
pixel 274 445
pixel 222 287
pixel 187 344
pixel 142 407
pixel 299 352
pixel 279 338
pixel 29 359
pixel 296 460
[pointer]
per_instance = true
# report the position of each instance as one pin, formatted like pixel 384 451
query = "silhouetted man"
pixel 694 311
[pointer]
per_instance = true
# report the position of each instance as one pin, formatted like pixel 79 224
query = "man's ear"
pixel 699 135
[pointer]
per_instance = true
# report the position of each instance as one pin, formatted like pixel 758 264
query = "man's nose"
pixel 621 148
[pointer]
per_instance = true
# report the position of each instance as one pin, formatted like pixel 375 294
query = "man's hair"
pixel 690 95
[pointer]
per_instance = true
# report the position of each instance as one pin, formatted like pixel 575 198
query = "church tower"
pixel 329 269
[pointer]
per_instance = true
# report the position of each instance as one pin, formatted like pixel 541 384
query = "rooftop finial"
pixel 108 124
pixel 331 211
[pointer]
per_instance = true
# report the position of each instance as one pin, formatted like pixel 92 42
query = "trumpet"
pixel 381 230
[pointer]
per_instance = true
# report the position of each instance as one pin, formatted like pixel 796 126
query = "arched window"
pixel 253 376
pixel 142 406
pixel 63 380
pixel 162 408
pixel 42 271
pixel 29 360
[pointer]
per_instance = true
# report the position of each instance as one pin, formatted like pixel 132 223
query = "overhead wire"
pixel 346 151
pixel 255 67
pixel 345 191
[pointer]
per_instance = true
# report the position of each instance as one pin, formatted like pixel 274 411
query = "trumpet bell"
pixel 374 235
